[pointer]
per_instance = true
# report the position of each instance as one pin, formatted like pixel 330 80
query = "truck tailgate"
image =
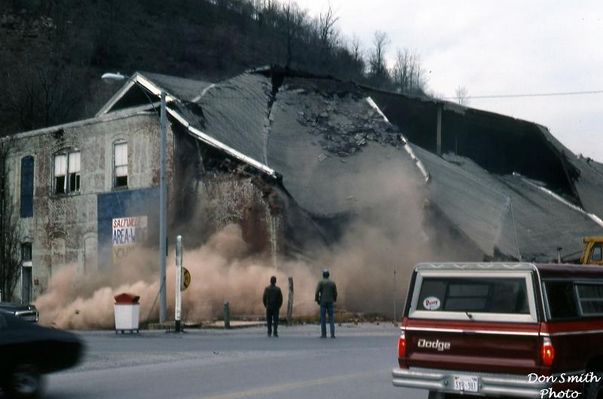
pixel 473 346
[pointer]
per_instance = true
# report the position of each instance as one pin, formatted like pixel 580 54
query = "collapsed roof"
pixel 506 185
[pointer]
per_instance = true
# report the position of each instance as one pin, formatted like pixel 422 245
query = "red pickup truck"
pixel 503 330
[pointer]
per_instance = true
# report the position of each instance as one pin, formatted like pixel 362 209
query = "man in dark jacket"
pixel 326 296
pixel 273 300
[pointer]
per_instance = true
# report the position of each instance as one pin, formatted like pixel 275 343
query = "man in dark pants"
pixel 273 300
pixel 326 296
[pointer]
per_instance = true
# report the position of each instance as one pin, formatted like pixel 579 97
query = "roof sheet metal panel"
pixel 543 223
pixel 184 89
pixel 508 213
pixel 468 199
pixel 589 183
pixel 234 112
pixel 505 213
pixel 322 182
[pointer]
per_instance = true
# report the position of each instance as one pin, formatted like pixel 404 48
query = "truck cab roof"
pixel 545 270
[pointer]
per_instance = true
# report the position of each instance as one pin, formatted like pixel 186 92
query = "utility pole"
pixel 162 195
pixel 162 214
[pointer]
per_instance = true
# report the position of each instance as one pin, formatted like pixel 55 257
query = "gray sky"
pixel 498 47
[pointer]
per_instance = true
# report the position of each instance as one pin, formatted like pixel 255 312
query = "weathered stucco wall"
pixel 64 228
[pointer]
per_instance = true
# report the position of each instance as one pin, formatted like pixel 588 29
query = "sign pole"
pixel 395 319
pixel 290 303
pixel 178 289
pixel 162 212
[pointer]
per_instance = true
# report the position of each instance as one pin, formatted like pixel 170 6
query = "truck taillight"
pixel 402 346
pixel 547 352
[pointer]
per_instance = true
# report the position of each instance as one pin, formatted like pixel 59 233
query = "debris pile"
pixel 344 122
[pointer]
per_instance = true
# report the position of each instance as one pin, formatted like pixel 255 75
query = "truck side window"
pixel 591 299
pixel 596 254
pixel 561 298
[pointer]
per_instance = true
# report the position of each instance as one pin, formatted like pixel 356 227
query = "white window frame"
pixel 120 164
pixel 71 166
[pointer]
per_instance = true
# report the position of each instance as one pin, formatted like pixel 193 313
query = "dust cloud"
pixel 222 271
pixel 371 264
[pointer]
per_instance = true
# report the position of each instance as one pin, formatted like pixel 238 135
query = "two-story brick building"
pixel 84 192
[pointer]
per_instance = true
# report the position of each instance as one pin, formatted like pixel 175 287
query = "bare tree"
pixel 355 64
pixel 408 74
pixel 462 95
pixel 378 73
pixel 355 49
pixel 43 95
pixel 9 236
pixel 292 21
pixel 327 32
pixel 267 12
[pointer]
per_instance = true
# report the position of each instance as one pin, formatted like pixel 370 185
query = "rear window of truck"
pixel 481 295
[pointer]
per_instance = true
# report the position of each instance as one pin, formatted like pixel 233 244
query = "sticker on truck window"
pixel 431 303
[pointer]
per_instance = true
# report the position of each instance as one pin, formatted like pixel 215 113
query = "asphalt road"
pixel 233 364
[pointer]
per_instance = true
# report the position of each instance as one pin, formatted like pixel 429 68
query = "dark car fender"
pixel 47 349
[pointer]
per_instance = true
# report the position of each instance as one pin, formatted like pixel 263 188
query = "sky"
pixel 498 48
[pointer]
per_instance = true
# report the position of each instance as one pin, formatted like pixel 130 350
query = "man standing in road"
pixel 326 296
pixel 273 300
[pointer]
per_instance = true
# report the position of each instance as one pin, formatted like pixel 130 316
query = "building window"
pixel 26 253
pixel 26 273
pixel 67 172
pixel 120 165
pixel 27 186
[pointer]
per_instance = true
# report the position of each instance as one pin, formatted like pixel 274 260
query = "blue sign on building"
pixel 125 206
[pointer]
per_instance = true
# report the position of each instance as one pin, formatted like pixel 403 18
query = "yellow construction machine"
pixel 592 254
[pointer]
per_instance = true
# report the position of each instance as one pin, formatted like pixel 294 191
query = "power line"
pixel 561 93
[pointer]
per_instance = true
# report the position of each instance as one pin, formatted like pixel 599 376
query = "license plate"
pixel 466 383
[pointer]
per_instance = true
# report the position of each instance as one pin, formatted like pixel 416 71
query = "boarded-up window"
pixel 27 186
pixel 57 253
pixel 120 171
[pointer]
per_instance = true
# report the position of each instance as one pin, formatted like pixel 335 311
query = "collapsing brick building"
pixel 293 159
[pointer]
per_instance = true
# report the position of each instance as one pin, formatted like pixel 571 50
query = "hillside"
pixel 53 52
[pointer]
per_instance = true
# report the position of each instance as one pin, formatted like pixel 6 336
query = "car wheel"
pixel 594 389
pixel 25 382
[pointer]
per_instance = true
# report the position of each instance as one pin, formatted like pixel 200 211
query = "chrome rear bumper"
pixel 489 384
